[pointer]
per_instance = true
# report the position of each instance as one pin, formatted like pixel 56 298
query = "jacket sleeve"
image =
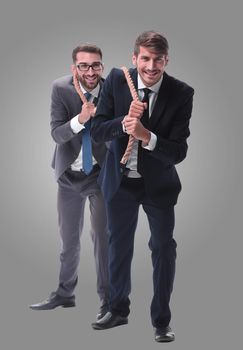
pixel 60 120
pixel 173 148
pixel 105 125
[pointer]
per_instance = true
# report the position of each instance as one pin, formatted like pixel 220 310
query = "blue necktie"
pixel 86 144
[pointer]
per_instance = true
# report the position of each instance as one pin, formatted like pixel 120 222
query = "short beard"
pixel 83 83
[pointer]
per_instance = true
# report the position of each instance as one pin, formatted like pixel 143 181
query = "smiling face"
pixel 150 65
pixel 90 78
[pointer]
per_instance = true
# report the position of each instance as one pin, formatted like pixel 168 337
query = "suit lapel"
pixel 126 97
pixel 160 102
pixel 134 75
pixel 77 103
pixel 101 85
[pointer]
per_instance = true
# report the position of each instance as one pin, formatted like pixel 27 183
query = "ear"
pixel 166 60
pixel 74 69
pixel 134 59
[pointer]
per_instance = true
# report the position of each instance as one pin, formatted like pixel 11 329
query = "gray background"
pixel 37 39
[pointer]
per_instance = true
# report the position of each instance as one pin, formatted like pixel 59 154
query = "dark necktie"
pixel 86 144
pixel 145 116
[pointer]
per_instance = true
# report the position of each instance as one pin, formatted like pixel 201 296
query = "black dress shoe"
pixel 109 321
pixel 164 335
pixel 103 310
pixel 54 301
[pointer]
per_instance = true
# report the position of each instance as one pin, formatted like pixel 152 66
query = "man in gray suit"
pixel 77 163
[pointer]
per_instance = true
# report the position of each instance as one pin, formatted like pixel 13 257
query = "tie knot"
pixel 88 95
pixel 146 94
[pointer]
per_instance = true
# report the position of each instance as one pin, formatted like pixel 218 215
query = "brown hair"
pixel 153 41
pixel 86 48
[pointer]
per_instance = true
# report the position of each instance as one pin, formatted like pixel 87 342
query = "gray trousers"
pixel 73 190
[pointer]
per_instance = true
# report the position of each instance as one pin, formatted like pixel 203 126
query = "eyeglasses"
pixel 85 67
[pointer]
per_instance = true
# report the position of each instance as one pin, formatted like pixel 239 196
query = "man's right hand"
pixel 136 109
pixel 88 111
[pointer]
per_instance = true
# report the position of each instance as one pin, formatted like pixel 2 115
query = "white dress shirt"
pixel 132 161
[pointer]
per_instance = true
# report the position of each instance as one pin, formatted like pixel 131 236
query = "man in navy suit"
pixel 77 163
pixel 160 125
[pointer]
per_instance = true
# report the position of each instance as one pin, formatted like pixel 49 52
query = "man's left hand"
pixel 134 127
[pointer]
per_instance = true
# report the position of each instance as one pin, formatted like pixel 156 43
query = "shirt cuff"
pixel 75 125
pixel 124 129
pixel 123 126
pixel 152 143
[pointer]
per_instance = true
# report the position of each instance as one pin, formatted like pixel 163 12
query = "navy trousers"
pixel 122 214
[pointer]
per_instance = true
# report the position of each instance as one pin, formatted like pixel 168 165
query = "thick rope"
pixel 135 97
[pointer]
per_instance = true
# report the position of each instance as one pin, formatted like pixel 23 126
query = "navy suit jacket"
pixel 169 122
pixel 66 104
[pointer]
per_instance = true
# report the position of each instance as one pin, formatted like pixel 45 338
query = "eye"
pixel 96 65
pixel 83 66
pixel 160 59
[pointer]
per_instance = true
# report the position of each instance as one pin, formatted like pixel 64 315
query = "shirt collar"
pixel 94 92
pixel 155 88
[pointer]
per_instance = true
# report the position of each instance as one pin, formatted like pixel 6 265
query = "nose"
pixel 90 67
pixel 151 64
pixel 90 71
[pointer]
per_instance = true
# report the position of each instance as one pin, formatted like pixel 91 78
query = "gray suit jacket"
pixel 66 104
